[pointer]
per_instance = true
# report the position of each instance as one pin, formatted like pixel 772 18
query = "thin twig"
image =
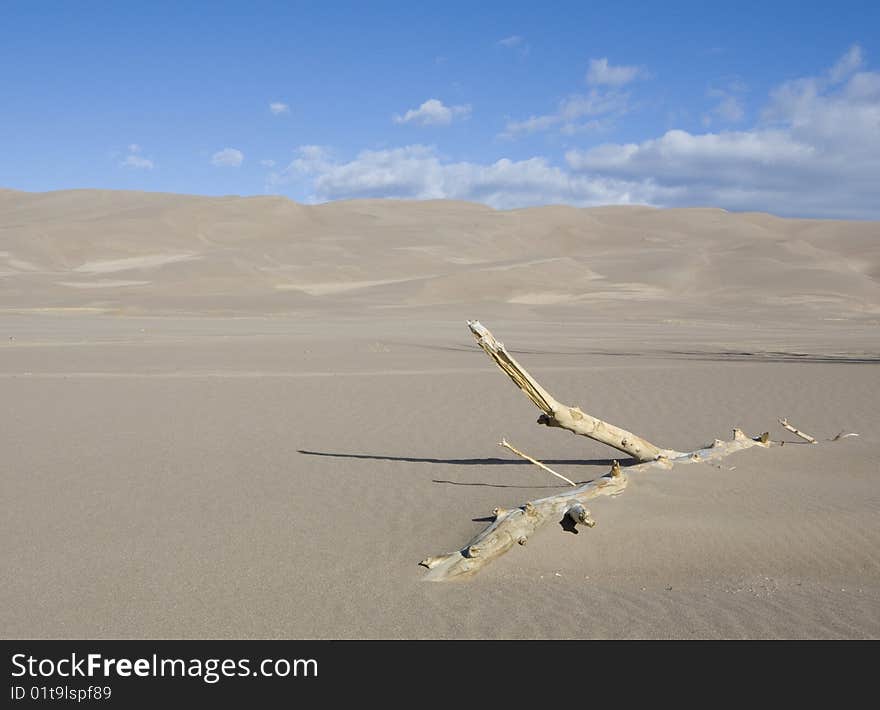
pixel 537 463
pixel 796 432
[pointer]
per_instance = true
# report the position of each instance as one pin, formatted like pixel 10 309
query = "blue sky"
pixel 769 106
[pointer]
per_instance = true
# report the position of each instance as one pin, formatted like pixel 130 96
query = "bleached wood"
pixel 580 515
pixel 516 526
pixel 796 432
pixel 561 415
pixel 537 463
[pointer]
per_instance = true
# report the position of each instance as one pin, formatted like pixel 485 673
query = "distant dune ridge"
pixel 134 252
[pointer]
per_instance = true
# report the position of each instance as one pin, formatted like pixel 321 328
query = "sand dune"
pixel 245 255
pixel 135 262
pixel 245 417
pixel 109 283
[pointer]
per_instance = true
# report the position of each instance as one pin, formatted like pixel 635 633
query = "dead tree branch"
pixel 796 432
pixel 561 415
pixel 515 526
pixel 537 463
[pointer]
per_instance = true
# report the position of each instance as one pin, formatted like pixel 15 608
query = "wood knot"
pixel 615 469
pixel 580 515
pixel 576 414
pixel 473 551
pixel 522 540
pixel 530 510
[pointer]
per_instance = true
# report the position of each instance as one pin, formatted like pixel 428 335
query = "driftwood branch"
pixel 514 527
pixel 561 415
pixel 537 463
pixel 580 516
pixel 796 432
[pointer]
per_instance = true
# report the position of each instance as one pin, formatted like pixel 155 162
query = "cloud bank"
pixel 420 172
pixel 815 151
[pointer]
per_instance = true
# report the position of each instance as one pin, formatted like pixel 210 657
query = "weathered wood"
pixel 797 432
pixel 561 415
pixel 580 516
pixel 537 463
pixel 516 526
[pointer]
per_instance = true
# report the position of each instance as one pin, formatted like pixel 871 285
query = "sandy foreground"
pixel 251 419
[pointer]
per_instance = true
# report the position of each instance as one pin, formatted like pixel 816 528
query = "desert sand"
pixel 250 418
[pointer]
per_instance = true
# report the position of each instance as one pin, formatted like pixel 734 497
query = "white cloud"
pixel 419 172
pixel 138 162
pixel 814 153
pixel 602 73
pixel 607 103
pixel 311 160
pixel 847 64
pixel 570 112
pixel 277 108
pixel 510 42
pixel 135 160
pixel 227 158
pixel 729 108
pixel 532 124
pixel 433 113
pixel 516 44
pixel 682 154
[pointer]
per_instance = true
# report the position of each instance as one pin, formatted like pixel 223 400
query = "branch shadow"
pixel 479 462
pixel 568 525
pixel 493 461
pixel 561 486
